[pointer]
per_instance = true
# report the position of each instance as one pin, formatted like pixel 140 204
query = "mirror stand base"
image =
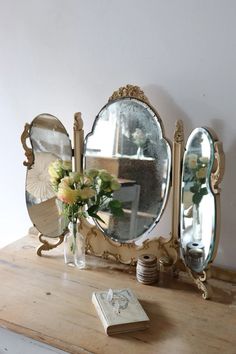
pixel 46 246
pixel 200 279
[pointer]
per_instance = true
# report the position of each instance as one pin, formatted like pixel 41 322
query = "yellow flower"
pixel 67 165
pixel 201 173
pixel 86 193
pixel 67 194
pixel 52 172
pixel 192 161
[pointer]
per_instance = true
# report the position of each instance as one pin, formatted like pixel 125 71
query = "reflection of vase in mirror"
pixel 197 223
pixel 136 151
pixel 50 142
pixel 140 154
pixel 198 201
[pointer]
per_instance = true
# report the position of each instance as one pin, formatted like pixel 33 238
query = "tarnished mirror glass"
pixel 50 142
pixel 127 140
pixel 198 207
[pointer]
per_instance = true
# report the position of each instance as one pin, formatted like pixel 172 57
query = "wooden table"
pixel 43 299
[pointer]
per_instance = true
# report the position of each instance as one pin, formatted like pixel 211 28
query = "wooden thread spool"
pixel 146 270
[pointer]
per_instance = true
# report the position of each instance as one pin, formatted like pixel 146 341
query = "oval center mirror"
pixel 198 204
pixel 127 140
pixel 50 142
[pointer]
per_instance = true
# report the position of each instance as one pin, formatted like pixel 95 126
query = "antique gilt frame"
pixel 44 240
pixel 97 243
pixel 217 173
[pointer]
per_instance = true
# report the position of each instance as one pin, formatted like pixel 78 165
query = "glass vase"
pixel 197 223
pixel 74 247
pixel 140 152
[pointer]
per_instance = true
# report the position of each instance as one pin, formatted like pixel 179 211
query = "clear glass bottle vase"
pixel 74 246
pixel 140 152
pixel 197 223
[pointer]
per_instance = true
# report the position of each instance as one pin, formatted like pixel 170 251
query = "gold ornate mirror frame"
pixel 97 243
pixel 44 240
pixel 217 173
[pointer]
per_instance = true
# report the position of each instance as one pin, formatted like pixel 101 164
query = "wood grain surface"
pixel 45 300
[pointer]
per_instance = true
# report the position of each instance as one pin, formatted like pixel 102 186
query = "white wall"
pixel 63 56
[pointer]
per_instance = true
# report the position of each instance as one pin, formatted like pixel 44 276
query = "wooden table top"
pixel 43 299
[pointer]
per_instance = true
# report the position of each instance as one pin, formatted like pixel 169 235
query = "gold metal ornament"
pixel 28 152
pixel 129 91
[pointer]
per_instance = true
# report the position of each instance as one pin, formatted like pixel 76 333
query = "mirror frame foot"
pixel 200 279
pixel 47 246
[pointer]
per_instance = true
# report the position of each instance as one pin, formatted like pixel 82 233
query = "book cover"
pixel 120 311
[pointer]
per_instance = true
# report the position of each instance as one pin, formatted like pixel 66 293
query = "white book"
pixel 120 311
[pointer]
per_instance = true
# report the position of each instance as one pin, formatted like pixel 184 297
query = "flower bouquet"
pixel 82 195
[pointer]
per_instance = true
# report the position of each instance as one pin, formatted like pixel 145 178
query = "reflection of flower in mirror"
pixel 195 172
pixel 84 194
pixel 139 137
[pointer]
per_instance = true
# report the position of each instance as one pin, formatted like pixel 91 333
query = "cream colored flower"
pixel 86 193
pixel 75 176
pixel 105 176
pixel 67 181
pixel 192 161
pixel 115 185
pixel 93 172
pixel 204 160
pixel 201 173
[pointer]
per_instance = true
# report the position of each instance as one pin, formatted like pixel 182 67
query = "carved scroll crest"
pixel 78 122
pixel 129 91
pixel 179 132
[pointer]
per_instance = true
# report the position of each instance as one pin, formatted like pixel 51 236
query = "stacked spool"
pixel 146 271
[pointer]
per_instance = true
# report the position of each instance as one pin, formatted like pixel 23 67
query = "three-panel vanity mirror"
pixel 128 140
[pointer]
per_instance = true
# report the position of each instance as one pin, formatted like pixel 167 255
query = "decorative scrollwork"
pixel 201 281
pixel 179 131
pixel 28 152
pixel 78 122
pixel 129 91
pixel 46 246
pixel 217 175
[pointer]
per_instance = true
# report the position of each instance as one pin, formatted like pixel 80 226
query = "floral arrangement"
pixel 196 168
pixel 139 137
pixel 84 194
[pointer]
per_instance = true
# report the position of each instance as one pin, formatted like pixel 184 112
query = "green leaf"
pixel 204 191
pixel 194 188
pixel 197 198
pixel 116 207
pixel 93 208
pixel 96 216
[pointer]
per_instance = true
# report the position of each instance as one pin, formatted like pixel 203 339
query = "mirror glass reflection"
pixel 127 141
pixel 197 201
pixel 50 142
